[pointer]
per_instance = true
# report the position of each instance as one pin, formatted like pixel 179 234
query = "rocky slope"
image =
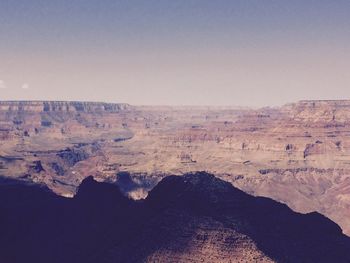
pixel 298 154
pixel 190 218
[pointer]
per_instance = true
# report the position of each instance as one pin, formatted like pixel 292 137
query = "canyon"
pixel 297 154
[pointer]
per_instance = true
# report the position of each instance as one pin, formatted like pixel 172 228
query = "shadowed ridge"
pixel 28 213
pixel 15 192
pixel 102 218
pixel 91 190
pixel 282 234
pixel 99 201
pixel 192 217
pixel 37 225
pixel 195 191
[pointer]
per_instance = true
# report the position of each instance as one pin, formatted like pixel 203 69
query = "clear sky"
pixel 219 52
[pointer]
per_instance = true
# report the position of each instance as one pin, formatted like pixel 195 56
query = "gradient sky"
pixel 219 52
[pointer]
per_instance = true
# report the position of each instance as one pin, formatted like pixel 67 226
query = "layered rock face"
pixel 60 106
pixel 298 154
pixel 190 218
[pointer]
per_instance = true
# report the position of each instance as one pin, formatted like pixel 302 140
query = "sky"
pixel 179 52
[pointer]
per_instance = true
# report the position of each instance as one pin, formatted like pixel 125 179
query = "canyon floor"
pixel 297 154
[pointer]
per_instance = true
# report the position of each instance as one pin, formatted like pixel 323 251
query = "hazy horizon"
pixel 211 53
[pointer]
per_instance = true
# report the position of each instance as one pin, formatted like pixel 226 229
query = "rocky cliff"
pixel 61 106
pixel 190 218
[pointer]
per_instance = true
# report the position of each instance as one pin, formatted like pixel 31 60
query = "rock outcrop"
pixel 190 218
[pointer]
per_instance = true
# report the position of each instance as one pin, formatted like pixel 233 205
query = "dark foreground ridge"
pixel 192 218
